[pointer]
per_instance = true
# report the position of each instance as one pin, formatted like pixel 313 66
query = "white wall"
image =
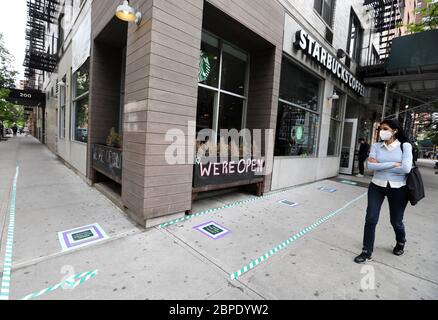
pixel 74 153
pixel 296 171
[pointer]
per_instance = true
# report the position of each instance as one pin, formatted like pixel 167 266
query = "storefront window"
pixel 80 103
pixel 299 87
pixel 81 120
pixel 337 108
pixel 231 112
pixel 298 112
pixel 233 70
pixel 222 93
pixel 335 127
pixel 206 102
pixel 297 132
pixel 209 62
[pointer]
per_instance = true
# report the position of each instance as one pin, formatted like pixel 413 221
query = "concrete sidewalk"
pixel 179 262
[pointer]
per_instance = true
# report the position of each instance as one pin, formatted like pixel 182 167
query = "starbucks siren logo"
pixel 204 67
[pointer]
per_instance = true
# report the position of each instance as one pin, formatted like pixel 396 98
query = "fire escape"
pixel 387 15
pixel 38 59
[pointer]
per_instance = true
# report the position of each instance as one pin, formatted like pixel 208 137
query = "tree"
pixel 429 14
pixel 7 75
pixel 432 134
pixel 9 113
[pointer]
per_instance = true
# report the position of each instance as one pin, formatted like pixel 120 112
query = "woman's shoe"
pixel 399 249
pixel 363 257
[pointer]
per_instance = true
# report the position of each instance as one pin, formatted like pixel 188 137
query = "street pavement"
pixel 320 237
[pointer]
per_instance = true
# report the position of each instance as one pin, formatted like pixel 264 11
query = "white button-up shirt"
pixel 384 183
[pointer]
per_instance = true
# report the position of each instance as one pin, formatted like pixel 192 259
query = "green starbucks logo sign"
pixel 204 67
pixel 299 133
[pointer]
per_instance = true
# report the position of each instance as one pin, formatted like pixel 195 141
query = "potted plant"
pixel 114 139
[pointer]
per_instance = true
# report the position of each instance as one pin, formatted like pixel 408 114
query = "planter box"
pixel 108 161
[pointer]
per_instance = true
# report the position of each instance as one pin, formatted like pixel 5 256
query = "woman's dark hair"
pixel 395 125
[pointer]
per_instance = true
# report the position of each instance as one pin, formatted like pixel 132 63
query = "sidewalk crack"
pixel 213 263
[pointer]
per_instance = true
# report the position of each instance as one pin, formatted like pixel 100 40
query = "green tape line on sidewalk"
pixel 72 282
pixel 237 203
pixel 270 253
pixel 7 265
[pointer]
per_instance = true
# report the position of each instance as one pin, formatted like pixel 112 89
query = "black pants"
pixel 362 164
pixel 398 200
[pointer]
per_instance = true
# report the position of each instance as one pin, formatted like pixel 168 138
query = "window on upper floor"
pixel 375 58
pixel 355 36
pixel 60 33
pixel 326 9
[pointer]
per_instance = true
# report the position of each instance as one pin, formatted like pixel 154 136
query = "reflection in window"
pixel 333 141
pixel 82 80
pixel 80 103
pixel 299 87
pixel 336 113
pixel 233 70
pixel 206 102
pixel 335 127
pixel 222 93
pixel 297 131
pixel 230 112
pixel 209 61
pixel 298 112
pixel 81 120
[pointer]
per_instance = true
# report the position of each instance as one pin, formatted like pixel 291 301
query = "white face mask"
pixel 386 135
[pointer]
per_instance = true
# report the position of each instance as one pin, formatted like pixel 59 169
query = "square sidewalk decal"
pixel 289 203
pixel 212 230
pixel 353 183
pixel 325 189
pixel 81 237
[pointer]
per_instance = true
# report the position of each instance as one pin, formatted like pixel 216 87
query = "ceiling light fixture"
pixel 127 13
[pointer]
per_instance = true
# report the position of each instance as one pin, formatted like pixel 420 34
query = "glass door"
pixel 348 146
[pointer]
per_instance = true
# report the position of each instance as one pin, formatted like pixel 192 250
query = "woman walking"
pixel 391 161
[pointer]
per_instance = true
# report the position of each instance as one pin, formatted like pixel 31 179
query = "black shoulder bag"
pixel 414 184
